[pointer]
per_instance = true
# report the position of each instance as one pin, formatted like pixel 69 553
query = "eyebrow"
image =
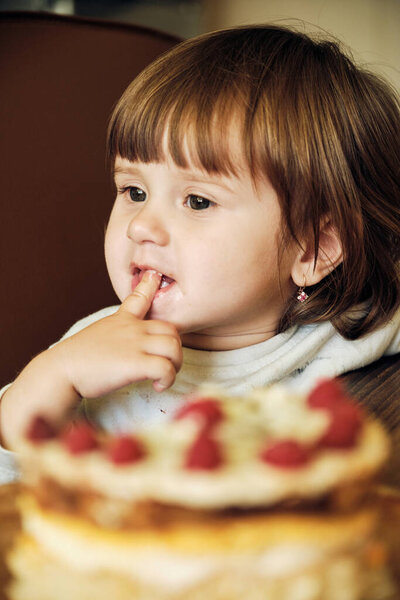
pixel 124 170
pixel 209 182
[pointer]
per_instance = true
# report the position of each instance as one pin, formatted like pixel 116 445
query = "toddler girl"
pixel 254 236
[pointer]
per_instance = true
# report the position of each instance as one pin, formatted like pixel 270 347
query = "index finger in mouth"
pixel 139 301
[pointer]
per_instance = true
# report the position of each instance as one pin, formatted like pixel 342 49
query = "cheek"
pixel 247 264
pixel 114 256
pixel 109 248
pixel 216 268
pixel 205 262
pixel 114 238
pixel 247 252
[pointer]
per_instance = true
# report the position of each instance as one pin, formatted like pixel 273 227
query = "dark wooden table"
pixel 376 386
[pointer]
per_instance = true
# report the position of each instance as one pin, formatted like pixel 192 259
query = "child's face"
pixel 214 237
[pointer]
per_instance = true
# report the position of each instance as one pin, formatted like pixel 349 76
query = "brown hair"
pixel 325 132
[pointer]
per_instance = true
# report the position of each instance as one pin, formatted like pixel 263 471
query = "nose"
pixel 147 226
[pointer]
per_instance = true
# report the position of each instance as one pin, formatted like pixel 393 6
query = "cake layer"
pixel 282 556
pixel 41 576
pixel 115 513
pixel 245 532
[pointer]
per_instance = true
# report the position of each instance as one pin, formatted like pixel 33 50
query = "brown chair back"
pixel 60 77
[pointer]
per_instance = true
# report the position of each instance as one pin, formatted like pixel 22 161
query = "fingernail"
pixel 159 387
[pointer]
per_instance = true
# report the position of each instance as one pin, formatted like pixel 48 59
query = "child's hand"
pixel 123 348
pixel 109 354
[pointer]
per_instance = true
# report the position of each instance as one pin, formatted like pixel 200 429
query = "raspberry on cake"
pixel 236 497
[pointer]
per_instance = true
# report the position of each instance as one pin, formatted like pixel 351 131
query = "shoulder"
pixel 331 355
pixel 383 340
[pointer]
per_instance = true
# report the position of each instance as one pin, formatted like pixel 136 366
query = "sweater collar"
pixel 251 353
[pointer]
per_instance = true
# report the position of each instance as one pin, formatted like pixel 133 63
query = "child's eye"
pixel 198 202
pixel 135 194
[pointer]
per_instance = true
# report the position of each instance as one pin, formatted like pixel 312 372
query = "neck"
pixel 203 340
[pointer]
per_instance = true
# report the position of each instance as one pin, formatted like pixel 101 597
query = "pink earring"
pixel 302 294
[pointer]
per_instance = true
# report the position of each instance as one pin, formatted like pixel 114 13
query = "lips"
pixel 138 272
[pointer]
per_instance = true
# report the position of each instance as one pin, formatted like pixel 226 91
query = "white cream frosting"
pixel 242 480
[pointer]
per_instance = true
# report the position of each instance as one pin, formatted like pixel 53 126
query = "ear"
pixel 330 255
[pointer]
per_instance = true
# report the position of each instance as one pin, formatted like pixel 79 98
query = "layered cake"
pixel 257 497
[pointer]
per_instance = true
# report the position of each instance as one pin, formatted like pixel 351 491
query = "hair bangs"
pixel 190 108
pixel 191 128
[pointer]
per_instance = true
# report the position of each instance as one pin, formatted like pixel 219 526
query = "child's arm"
pixel 109 354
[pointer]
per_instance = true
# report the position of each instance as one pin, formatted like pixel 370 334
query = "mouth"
pixel 166 281
pixel 138 272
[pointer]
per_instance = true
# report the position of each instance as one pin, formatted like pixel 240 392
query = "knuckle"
pixel 168 328
pixel 139 294
pixel 174 331
pixel 167 368
pixel 175 346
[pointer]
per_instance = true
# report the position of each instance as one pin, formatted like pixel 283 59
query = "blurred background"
pixel 370 28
